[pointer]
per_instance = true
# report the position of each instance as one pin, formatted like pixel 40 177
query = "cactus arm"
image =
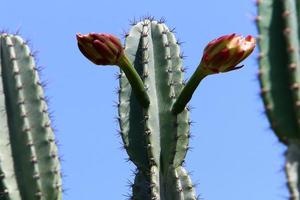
pixel 274 75
pixel 31 139
pixel 280 77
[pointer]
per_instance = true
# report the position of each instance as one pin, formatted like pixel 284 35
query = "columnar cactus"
pixel 29 165
pixel 153 116
pixel 279 59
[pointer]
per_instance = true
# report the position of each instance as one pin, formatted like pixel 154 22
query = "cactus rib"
pixel 33 163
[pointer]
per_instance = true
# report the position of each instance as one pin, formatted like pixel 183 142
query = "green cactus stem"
pixel 29 164
pixel 156 140
pixel 279 77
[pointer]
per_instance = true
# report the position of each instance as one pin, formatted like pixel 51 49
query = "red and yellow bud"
pixel 101 49
pixel 225 53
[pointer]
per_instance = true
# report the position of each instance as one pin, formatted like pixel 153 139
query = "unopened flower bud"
pixel 226 52
pixel 101 49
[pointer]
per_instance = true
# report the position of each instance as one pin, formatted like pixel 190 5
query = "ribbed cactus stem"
pixel 156 140
pixel 279 77
pixel 29 165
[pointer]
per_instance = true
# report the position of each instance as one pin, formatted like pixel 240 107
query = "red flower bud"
pixel 225 53
pixel 101 49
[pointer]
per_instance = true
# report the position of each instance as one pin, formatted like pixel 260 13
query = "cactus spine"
pixel 156 140
pixel 279 77
pixel 29 165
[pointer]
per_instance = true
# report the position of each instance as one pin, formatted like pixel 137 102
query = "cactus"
pixel 279 61
pixel 153 112
pixel 29 164
pixel 155 139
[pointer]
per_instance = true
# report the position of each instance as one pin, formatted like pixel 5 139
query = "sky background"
pixel 234 156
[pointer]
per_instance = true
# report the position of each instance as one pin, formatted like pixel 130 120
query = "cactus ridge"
pixel 280 78
pixel 28 157
pixel 278 83
pixel 156 140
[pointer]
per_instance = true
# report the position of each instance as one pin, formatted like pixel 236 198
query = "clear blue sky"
pixel 235 155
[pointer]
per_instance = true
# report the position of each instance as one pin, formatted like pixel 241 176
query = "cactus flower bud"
pixel 101 49
pixel 106 49
pixel 225 53
pixel 220 55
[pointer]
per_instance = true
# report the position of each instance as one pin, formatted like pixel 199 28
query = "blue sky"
pixel 235 155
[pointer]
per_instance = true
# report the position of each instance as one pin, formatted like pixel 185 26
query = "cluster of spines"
pixel 34 153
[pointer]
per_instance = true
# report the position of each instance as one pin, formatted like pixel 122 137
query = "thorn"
pixel 260 73
pixel 179 42
pixel 133 22
pixel 287 31
pixel 286 13
pixel 257 18
pixel 118 75
pixel 264 91
pixel 161 20
pixel 147 131
pixel 183 69
pixel 292 66
pixel 291 49
pixel 259 37
pixel 295 86
pixel 268 107
pixel 173 30
pixel 257 2
pixel 182 56
pixel 298 103
pixel 125 34
pixel 191 122
pixel 167 44
pixel 189 108
pixel 116 104
pixel 33 160
pixel 17 32
pixel 260 56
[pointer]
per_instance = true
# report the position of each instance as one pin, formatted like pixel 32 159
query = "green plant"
pixel 278 25
pixel 29 165
pixel 153 116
